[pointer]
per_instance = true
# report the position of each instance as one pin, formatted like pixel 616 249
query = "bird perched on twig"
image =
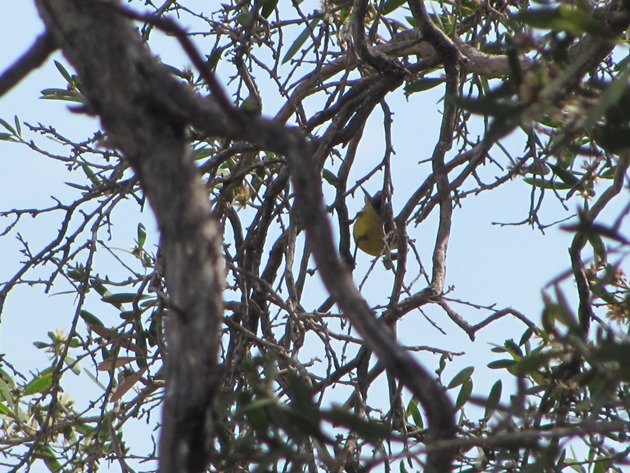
pixel 369 229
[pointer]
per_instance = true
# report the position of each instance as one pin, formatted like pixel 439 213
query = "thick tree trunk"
pixel 132 93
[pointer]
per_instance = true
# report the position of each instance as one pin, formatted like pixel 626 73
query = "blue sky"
pixel 487 264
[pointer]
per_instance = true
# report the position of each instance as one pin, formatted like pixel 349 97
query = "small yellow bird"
pixel 369 228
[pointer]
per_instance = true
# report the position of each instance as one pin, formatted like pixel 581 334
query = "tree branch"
pixel 29 61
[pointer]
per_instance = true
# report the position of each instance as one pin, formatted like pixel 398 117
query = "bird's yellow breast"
pixel 368 231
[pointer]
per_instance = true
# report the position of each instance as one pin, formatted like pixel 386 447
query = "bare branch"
pixel 28 62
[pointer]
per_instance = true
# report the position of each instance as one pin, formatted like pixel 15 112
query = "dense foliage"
pixel 534 92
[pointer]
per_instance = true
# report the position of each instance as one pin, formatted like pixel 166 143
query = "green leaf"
pixel 129 314
pixel 613 351
pixel 572 464
pixel 84 428
pixel 330 177
pixel 39 384
pixel 48 456
pixel 176 72
pixel 390 5
pixel 565 18
pixel 461 377
pixel 202 153
pixel 149 302
pixel 560 312
pixel 6 386
pixel 244 17
pixel 297 423
pixel 493 399
pixel 301 395
pixel 123 298
pixel 6 137
pixel 420 85
pixel 300 40
pixel 500 364
pixel 66 75
pixel 90 318
pixel 497 349
pixel 53 91
pixel 613 137
pixel 142 235
pixel 268 7
pixel 526 336
pixel 18 127
pixel 214 58
pixel 602 466
pixel 77 186
pixel 565 176
pixel 255 413
pixel 77 273
pixel 414 413
pixel 530 363
pixel 61 94
pixel 5 124
pixel 73 365
pixel 513 348
pixel 546 183
pixel 257 404
pixel 612 104
pixel 5 411
pixel 464 394
pixel 87 170
pixel 598 246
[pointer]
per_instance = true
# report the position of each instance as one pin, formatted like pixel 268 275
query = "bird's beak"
pixel 367 197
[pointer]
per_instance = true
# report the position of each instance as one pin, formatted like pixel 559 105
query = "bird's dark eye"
pixel 377 201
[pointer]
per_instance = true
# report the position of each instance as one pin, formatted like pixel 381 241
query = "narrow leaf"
pixel 18 127
pixel 112 363
pixel 423 84
pixel 90 319
pixel 5 124
pixel 72 364
pixel 566 176
pixel 142 235
pixel 464 394
pixel 122 298
pixel 300 40
pixel 526 336
pixel 5 411
pixel 493 399
pixel 390 5
pixel 268 7
pixel 66 75
pixel 500 364
pixel 40 384
pixel 414 412
pixel 546 184
pixel 128 381
pixel 530 363
pixel 461 377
